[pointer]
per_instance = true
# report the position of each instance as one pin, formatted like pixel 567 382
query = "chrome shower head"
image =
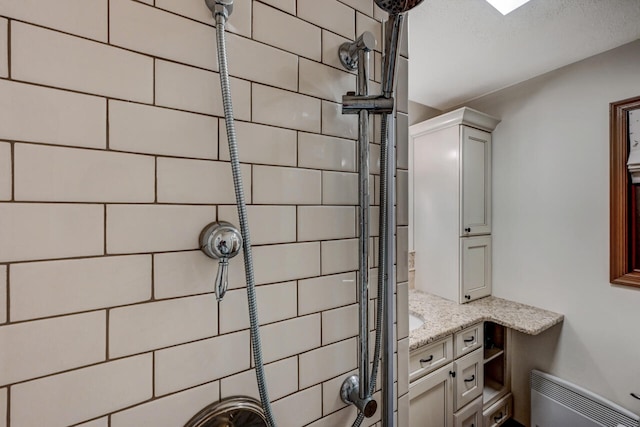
pixel 394 7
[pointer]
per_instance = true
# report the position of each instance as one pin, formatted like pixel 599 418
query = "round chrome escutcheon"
pixel 232 412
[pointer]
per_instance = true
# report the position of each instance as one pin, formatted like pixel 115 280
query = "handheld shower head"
pixel 394 7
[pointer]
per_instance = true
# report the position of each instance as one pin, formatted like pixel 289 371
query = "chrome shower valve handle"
pixel 221 241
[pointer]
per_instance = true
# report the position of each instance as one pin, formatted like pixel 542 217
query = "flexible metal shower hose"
pixel 242 216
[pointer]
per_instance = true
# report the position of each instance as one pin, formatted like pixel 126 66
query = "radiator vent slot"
pixel 583 402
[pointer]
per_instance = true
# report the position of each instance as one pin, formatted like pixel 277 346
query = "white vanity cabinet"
pixel 448 396
pixel 450 204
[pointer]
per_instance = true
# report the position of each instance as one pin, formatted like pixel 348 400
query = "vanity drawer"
pixel 499 412
pixel 432 356
pixel 468 340
pixel 470 415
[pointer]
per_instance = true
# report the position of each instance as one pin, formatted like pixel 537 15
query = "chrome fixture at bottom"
pixel 350 394
pixel 221 241
pixel 232 412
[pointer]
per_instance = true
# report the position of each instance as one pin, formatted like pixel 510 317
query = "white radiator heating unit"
pixel 558 403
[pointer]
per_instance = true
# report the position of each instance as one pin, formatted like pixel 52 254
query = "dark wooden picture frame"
pixel 622 224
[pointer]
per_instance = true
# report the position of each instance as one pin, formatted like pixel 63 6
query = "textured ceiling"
pixel 463 49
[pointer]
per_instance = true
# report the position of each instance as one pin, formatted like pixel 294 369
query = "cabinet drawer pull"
pixel 468 340
pixel 498 418
pixel 467 297
pixel 468 230
pixel 427 360
pixel 637 396
pixel 468 380
pixel 452 373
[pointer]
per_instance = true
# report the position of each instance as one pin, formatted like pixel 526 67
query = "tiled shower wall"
pixel 113 158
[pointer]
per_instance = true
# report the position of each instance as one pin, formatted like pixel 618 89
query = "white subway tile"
pixel 402 91
pixel 402 254
pixel 68 342
pixel 344 417
pixel 79 395
pixel 275 303
pixel 78 231
pixel 4 47
pixel 144 327
pixel 38 114
pixel 56 59
pixel 52 288
pixel 192 89
pixel 374 159
pixel 402 197
pixel 339 188
pixel 366 23
pixel 329 14
pixel 187 365
pixel 86 18
pixel 403 366
pixel 279 263
pixel 402 141
pixel 307 404
pixel 163 35
pixel 303 334
pixel 50 174
pixel 281 379
pixel 403 410
pixel 339 256
pixel 325 152
pixel 326 292
pixel 3 295
pixel 285 109
pixel 174 410
pixel 199 181
pixel 337 124
pixel 364 6
pixel 402 309
pixel 145 129
pixel 288 6
pixel 331 400
pixel 326 222
pixel 379 14
pixel 101 422
pixel 155 228
pixel 325 82
pixel 261 144
pixel 275 28
pixel 340 324
pixel 268 224
pixel 288 186
pixel 239 22
pixel 179 274
pixel 3 407
pixel 5 171
pixel 327 362
pixel 258 62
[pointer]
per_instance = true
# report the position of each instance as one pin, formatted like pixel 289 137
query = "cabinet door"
pixel 469 380
pixel 431 399
pixel 475 268
pixel 475 182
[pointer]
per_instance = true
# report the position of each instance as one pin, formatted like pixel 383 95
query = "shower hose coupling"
pixel 223 8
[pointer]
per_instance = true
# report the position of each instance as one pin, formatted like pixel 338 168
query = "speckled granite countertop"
pixel 443 317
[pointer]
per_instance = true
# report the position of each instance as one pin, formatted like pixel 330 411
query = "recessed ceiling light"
pixel 506 6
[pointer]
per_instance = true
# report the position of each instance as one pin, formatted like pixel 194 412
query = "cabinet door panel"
pixel 475 268
pixel 431 400
pixel 470 415
pixel 475 182
pixel 469 380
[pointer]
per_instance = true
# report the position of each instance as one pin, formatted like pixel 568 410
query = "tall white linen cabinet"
pixel 450 204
